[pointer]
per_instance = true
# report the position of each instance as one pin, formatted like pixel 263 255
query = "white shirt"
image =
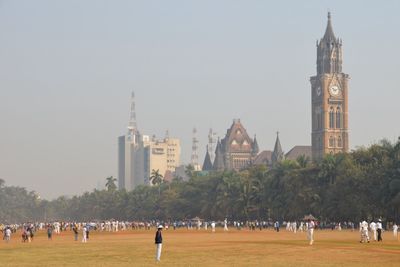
pixel 379 225
pixel 8 232
pixel 364 226
pixel 310 225
pixel 372 225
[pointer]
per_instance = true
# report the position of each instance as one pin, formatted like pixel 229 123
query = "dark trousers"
pixel 379 234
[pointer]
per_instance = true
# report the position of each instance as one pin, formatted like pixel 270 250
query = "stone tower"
pixel 329 98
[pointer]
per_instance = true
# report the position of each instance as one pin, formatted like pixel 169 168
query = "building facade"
pixel 329 97
pixel 162 155
pixel 236 150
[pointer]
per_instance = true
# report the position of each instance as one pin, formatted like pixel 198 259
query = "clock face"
pixel 318 91
pixel 334 90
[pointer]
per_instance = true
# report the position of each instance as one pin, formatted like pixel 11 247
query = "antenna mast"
pixel 132 126
pixel 195 154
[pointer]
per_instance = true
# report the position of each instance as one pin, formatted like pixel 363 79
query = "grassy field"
pixel 200 248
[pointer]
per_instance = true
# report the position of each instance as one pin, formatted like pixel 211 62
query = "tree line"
pixel 362 184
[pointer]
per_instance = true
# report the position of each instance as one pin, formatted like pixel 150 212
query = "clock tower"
pixel 329 98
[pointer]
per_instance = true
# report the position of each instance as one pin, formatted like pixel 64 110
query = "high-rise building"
pixel 329 94
pixel 130 154
pixel 162 155
pixel 139 155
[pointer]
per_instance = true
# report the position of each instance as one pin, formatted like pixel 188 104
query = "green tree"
pixel 110 184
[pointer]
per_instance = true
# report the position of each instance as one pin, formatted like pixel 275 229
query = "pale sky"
pixel 67 69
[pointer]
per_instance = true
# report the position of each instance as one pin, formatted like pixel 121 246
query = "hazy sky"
pixel 67 69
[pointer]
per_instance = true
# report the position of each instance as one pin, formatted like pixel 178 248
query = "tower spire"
pixel 329 35
pixel 211 144
pixel 277 155
pixel 132 125
pixel 207 165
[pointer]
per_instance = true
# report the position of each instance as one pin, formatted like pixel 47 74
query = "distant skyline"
pixel 67 70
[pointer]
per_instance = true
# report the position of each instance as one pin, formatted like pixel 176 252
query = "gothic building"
pixel 329 93
pixel 236 150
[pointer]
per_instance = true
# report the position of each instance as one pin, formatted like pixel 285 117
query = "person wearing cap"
pixel 379 229
pixel 158 242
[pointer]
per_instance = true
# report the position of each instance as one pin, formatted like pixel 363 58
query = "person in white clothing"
pixel 310 231
pixel 213 227
pixel 226 224
pixel 7 234
pixel 84 235
pixel 364 232
pixel 294 226
pixel 395 229
pixel 372 226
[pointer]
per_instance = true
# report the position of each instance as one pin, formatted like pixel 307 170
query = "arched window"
pixel 331 118
pixel 331 141
pixel 339 122
pixel 339 141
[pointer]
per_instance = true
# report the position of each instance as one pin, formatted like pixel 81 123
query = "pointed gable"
pixel 237 139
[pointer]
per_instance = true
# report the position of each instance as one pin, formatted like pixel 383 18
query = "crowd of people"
pixel 28 230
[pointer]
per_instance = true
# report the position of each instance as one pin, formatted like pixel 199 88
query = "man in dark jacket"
pixel 158 241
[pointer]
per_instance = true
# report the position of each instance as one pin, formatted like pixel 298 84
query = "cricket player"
pixel 372 226
pixel 158 242
pixel 364 232
pixel 310 231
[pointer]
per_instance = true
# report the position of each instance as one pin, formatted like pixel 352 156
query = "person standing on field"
pixel 379 229
pixel 158 242
pixel 75 230
pixel 84 235
pixel 7 234
pixel 395 229
pixel 310 231
pixel 372 226
pixel 364 232
pixel 213 227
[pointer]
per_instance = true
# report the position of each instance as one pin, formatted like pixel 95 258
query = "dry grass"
pixel 200 248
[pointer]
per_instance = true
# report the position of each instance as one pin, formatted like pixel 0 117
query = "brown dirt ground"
pixel 200 248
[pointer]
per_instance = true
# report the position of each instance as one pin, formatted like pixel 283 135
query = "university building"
pixel 329 113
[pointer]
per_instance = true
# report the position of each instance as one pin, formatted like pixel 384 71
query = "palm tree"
pixel 156 179
pixel 110 184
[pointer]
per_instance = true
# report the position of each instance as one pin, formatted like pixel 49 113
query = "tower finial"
pixel 329 14
pixel 132 118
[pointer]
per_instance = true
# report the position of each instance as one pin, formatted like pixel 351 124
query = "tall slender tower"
pixel 195 153
pixel 329 98
pixel 130 154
